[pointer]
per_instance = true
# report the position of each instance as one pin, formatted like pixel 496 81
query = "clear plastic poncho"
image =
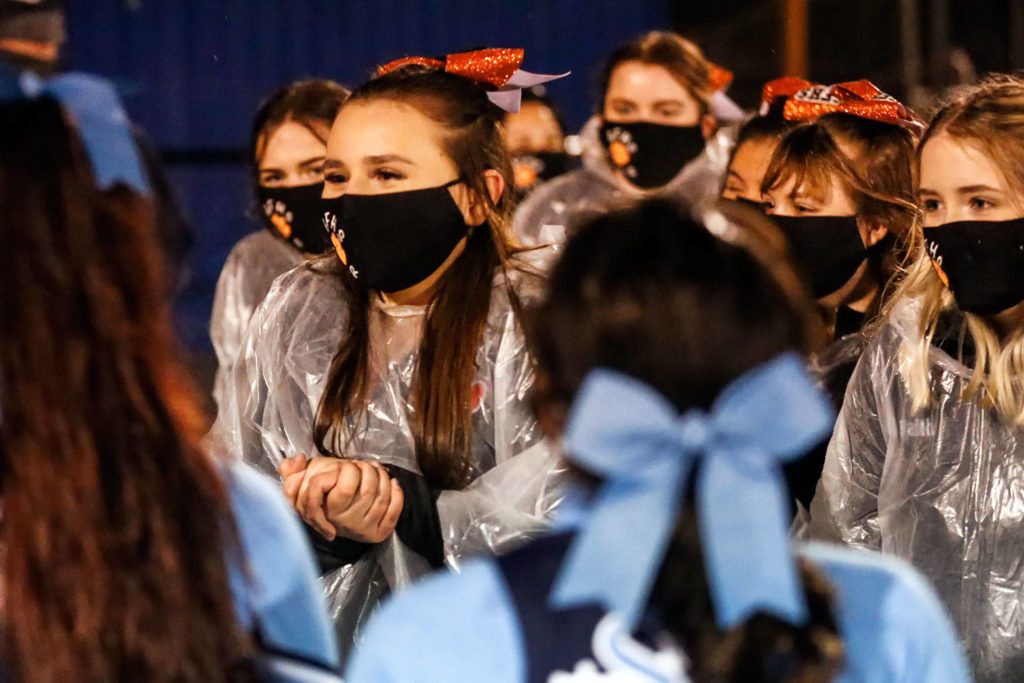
pixel 268 415
pixel 942 488
pixel 250 269
pixel 552 211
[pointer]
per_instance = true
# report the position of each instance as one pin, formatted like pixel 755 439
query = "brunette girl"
pixel 399 362
pixel 668 363
pixel 129 553
pixel 655 131
pixel 286 150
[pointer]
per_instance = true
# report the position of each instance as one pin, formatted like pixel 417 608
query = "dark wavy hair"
pixel 651 293
pixel 116 525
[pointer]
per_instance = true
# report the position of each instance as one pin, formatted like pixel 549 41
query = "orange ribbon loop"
pixel 720 78
pixel 781 89
pixel 493 66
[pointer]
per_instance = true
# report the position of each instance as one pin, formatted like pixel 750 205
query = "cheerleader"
pixel 398 363
pixel 841 190
pixel 286 150
pixel 669 361
pixel 925 462
pixel 535 136
pixel 656 130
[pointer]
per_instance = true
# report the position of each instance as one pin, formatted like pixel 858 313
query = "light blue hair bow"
pixel 630 435
pixel 97 115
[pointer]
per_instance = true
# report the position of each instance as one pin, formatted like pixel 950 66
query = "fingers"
pixel 394 510
pixel 311 501
pixel 365 495
pixel 381 500
pixel 346 488
pixel 291 486
pixel 290 466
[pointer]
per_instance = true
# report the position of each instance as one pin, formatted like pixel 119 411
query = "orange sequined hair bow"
pixel 857 98
pixel 495 67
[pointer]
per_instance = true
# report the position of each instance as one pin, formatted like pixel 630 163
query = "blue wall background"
pixel 192 73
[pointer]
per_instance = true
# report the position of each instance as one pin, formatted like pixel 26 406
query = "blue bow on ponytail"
pixel 630 435
pixel 96 113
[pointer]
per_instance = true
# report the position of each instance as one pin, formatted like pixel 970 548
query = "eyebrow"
pixel 312 160
pixel 971 189
pixel 386 159
pixel 662 103
pixel 332 163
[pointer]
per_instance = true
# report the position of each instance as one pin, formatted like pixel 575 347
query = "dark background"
pixel 192 72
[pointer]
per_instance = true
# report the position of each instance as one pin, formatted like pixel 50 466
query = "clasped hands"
pixel 347 498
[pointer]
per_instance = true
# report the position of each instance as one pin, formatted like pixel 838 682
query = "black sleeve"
pixel 337 553
pixel 419 526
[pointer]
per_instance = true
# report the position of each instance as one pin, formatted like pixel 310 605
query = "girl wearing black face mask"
pixel 287 147
pixel 926 458
pixel 400 363
pixel 655 131
pixel 535 136
pixel 840 189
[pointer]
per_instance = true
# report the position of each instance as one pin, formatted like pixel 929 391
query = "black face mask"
pixel 828 249
pixel 294 213
pixel 981 262
pixel 533 169
pixel 650 154
pixel 392 241
pixel 743 201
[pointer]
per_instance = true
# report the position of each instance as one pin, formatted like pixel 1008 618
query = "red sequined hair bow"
pixel 857 98
pixel 494 67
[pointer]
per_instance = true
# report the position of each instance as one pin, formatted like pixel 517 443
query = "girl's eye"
pixel 315 170
pixel 979 204
pixel 930 205
pixel 270 178
pixel 806 208
pixel 669 112
pixel 334 177
pixel 767 202
pixel 623 109
pixel 385 174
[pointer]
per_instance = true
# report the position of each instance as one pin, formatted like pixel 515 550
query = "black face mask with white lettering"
pixel 827 249
pixel 650 154
pixel 391 242
pixel 294 214
pixel 982 263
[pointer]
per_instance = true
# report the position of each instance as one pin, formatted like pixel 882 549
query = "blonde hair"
pixel 991 117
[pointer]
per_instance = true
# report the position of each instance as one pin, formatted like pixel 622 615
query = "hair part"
pixel 683 60
pixel 312 104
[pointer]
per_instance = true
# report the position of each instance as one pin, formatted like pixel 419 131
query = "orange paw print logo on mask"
pixel 337 238
pixel 621 147
pixel 280 216
pixel 933 253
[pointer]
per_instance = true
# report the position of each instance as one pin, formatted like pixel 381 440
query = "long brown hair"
pixel 116 528
pixel 653 294
pixel 456 317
